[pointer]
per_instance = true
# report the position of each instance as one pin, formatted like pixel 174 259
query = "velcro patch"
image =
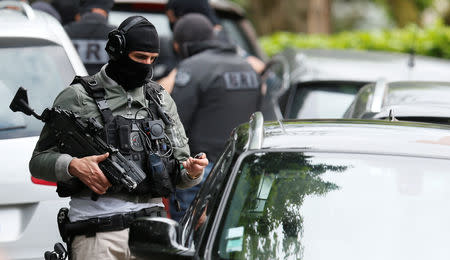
pixel 241 80
pixel 182 78
pixel 91 51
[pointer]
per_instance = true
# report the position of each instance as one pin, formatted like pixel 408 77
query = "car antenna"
pixel 391 117
pixel 412 54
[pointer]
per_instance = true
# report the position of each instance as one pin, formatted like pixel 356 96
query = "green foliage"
pixel 420 4
pixel 432 41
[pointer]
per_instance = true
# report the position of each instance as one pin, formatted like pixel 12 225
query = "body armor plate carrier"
pixel 142 140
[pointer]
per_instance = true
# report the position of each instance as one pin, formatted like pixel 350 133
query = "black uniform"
pixel 215 91
pixel 168 59
pixel 89 36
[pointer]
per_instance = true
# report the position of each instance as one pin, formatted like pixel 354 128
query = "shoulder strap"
pixel 152 94
pixel 98 93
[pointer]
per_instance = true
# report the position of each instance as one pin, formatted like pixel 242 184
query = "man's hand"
pixel 194 166
pixel 86 169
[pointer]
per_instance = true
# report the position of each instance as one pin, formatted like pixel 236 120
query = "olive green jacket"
pixel 48 164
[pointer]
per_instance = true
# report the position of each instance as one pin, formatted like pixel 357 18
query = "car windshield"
pixel 315 100
pixel 44 71
pixel 294 205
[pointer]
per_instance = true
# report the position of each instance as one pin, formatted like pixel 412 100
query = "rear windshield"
pixel 294 205
pixel 44 71
pixel 322 100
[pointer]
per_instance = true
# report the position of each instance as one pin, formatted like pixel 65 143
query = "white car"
pixel 36 53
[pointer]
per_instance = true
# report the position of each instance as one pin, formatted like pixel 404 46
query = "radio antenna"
pixel 412 53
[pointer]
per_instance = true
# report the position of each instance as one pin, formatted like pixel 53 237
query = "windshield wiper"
pixel 13 127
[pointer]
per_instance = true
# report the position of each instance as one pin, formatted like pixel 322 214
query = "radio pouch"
pixel 160 179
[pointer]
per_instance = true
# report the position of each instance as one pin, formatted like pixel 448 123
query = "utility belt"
pixel 90 227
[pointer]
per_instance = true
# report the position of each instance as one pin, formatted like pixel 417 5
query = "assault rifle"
pixel 79 137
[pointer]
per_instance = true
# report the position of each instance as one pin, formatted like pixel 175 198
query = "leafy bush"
pixel 432 41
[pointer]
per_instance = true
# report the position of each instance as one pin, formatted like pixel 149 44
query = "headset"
pixel 116 45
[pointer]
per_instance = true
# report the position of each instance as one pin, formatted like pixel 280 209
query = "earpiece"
pixel 116 45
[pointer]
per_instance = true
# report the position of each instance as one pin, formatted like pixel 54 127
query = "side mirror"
pixel 157 238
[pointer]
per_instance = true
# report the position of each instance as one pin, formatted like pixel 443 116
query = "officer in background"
pixel 90 32
pixel 98 229
pixel 215 90
pixel 68 9
pixel 175 9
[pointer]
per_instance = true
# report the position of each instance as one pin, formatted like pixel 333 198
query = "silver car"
pixel 319 83
pixel 35 53
pixel 420 101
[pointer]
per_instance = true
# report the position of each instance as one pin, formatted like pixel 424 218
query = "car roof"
pixel 347 136
pixel 363 66
pixel 28 23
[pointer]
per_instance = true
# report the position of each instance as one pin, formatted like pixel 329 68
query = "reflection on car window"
pixel 322 101
pixel 293 205
pixel 265 204
pixel 159 20
pixel 44 71
pixel 273 78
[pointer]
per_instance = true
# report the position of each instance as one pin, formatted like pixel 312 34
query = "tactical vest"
pixel 141 140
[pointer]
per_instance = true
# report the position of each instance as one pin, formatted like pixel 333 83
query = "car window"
pixel 294 205
pixel 159 20
pixel 44 71
pixel 327 100
pixel 208 198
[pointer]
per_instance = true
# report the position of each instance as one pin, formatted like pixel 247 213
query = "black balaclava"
pixel 183 7
pixel 126 72
pixel 192 28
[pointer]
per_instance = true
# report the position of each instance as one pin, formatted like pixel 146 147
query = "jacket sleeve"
pixel 179 141
pixel 46 162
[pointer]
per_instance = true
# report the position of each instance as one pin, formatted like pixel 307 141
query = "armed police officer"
pixel 89 33
pixel 216 89
pixel 165 67
pixel 140 119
